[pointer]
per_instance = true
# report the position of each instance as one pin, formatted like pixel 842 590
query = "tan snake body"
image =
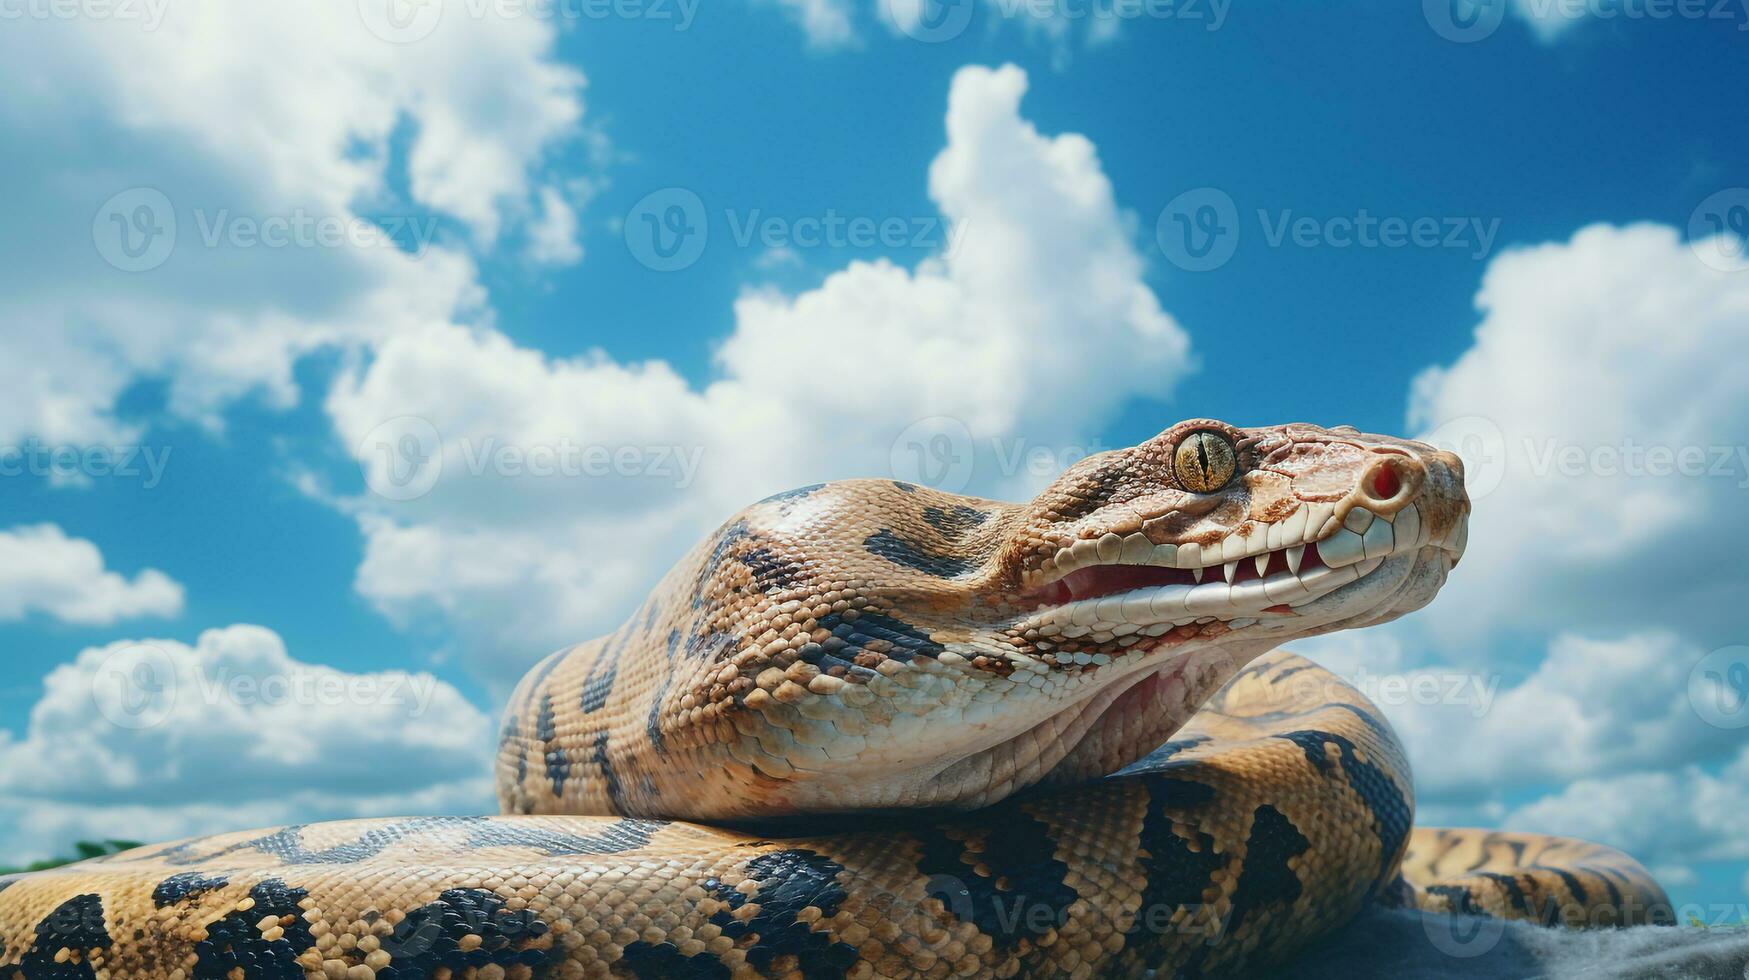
pixel 868 729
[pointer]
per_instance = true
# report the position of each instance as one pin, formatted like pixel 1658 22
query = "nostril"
pixel 1386 482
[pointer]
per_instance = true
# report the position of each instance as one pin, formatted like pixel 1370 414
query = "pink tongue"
pixel 1101 580
pixel 1098 580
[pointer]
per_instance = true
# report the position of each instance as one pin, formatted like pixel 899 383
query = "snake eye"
pixel 1205 461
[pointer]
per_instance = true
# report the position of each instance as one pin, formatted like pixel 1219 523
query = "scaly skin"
pixel 839 655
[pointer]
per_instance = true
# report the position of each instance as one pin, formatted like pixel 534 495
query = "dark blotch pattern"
pixel 76 924
pixel 868 632
pixel 429 938
pixel 904 551
pixel 599 684
pixel 1025 894
pixel 184 886
pixel 546 732
pixel 1266 876
pixel 664 961
pixel 772 572
pixel 234 943
pixel 956 520
pixel 1177 875
pixel 1390 811
pixel 789 882
pixel 598 755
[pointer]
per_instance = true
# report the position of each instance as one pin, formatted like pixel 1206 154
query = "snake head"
pixel 1280 531
pixel 869 644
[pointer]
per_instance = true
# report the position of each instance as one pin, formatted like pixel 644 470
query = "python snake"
pixel 868 729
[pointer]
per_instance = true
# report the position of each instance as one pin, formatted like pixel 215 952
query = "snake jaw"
pixel 1319 511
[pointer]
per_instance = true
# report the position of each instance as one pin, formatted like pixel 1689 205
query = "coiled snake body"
pixel 868 729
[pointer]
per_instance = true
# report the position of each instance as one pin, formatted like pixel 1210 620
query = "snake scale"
pixel 868 729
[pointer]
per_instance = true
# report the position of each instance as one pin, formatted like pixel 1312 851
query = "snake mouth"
pixel 1110 601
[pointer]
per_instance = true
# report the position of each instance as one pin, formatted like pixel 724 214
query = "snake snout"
pixel 1390 483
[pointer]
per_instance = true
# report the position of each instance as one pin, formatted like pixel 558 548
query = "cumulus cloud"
pixel 553 237
pixel 1044 286
pixel 159 738
pixel 827 23
pixel 1591 707
pixel 1063 27
pixel 1635 741
pixel 142 244
pixel 1678 817
pixel 43 570
pixel 1599 410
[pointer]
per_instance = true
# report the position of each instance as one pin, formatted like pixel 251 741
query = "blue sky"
pixel 1570 307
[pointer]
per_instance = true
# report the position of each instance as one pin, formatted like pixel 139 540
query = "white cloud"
pixel 155 738
pixel 1590 708
pixel 44 570
pixel 1063 27
pixel 1606 376
pixel 234 123
pixel 1602 735
pixel 1012 333
pixel 1678 817
pixel 553 237
pixel 827 23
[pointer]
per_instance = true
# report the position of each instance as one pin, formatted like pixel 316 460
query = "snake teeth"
pixel 1231 569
